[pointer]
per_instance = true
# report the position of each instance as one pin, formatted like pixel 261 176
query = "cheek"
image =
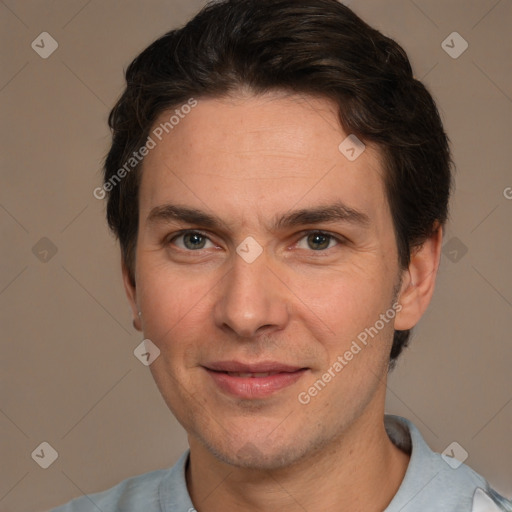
pixel 174 307
pixel 347 301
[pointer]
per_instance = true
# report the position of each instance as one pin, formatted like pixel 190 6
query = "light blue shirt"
pixel 430 484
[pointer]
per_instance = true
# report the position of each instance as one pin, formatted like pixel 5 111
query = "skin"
pixel 247 159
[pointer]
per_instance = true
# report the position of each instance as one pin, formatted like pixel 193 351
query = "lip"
pixel 282 377
pixel 261 367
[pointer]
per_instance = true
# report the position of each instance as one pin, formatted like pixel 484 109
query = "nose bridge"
pixel 251 297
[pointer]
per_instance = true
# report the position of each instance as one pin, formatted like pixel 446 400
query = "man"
pixel 279 183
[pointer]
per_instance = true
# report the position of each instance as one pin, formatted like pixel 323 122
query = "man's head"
pixel 298 244
pixel 317 47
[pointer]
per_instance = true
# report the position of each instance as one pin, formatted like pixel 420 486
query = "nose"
pixel 252 300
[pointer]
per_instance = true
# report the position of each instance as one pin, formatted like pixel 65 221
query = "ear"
pixel 131 293
pixel 418 281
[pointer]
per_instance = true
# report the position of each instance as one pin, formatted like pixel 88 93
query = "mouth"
pixel 251 381
pixel 251 375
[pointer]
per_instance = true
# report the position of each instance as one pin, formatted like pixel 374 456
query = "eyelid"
pixel 339 238
pixel 182 232
pixel 170 238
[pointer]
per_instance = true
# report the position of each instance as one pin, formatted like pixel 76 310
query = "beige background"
pixel 69 376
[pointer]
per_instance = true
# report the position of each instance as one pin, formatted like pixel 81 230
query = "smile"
pixel 253 385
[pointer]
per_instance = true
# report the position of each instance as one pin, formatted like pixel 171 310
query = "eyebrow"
pixel 331 213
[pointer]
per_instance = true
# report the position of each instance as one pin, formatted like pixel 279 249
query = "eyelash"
pixel 304 234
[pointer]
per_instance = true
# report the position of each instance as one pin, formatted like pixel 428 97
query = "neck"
pixel 360 470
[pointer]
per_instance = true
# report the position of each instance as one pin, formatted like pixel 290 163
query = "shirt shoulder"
pixel 435 481
pixel 133 494
pixel 155 491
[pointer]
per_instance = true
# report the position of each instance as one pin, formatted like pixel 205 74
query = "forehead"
pixel 255 154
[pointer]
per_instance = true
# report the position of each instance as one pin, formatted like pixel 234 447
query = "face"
pixel 263 249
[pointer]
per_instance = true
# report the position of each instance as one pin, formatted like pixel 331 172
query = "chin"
pixel 251 457
pixel 264 455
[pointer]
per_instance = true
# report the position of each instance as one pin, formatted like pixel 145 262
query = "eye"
pixel 191 241
pixel 318 241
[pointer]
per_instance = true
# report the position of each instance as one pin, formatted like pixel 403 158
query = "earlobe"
pixel 131 293
pixel 137 322
pixel 419 281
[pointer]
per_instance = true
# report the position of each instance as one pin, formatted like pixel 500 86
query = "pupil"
pixel 315 240
pixel 194 239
